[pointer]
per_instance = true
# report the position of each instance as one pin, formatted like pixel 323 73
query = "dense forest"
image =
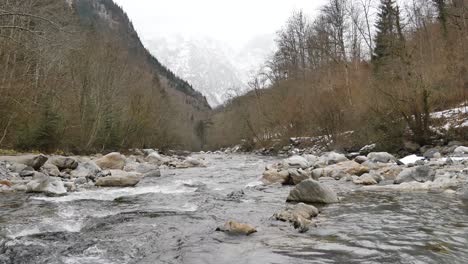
pixel 361 71
pixel 76 77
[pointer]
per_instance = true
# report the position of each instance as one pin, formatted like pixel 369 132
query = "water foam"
pixel 112 194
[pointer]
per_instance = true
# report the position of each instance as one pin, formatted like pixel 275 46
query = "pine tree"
pixel 389 42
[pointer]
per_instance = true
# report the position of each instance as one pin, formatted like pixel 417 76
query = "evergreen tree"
pixel 389 42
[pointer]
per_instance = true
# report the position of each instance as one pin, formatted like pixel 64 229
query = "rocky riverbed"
pixel 355 208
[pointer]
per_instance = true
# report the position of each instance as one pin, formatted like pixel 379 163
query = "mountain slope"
pixel 107 16
pixel 211 66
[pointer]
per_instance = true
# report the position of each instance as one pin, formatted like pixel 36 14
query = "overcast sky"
pixel 235 21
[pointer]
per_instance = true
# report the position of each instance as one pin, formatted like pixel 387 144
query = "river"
pixel 172 219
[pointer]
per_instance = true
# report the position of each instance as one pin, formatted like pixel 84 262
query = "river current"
pixel 172 219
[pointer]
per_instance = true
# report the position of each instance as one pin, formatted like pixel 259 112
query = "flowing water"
pixel 172 219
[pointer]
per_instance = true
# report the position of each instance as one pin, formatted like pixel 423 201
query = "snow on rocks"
pixel 412 159
pixel 461 150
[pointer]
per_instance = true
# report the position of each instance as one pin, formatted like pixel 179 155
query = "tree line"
pixel 377 68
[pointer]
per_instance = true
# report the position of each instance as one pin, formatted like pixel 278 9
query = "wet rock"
pixel 461 150
pixel 236 228
pixel 81 181
pixel 382 157
pixel 50 169
pixel 70 186
pixel 119 178
pixel 291 213
pixel 86 169
pixel 311 191
pixel 34 161
pixel 432 153
pixel 340 170
pixel 274 176
pixel 64 162
pixel 296 162
pixel 299 175
pixel 42 183
pixel 368 179
pixel 111 161
pixel 18 168
pixel 418 174
pixel 4 173
pixel 236 195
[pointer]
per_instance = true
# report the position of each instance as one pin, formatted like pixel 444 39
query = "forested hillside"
pixel 76 77
pixel 362 71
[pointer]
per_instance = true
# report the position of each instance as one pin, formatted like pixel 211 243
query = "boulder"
pixel 299 215
pixel 296 162
pixel 418 174
pixel 111 161
pixel 299 175
pixel 87 169
pixel 236 228
pixel 50 169
pixel 119 178
pixel 382 157
pixel 275 176
pixel 311 191
pixel 368 179
pixel 64 163
pixel 18 168
pixel 461 150
pixel 42 183
pixel 34 161
pixel 340 170
pixel 432 153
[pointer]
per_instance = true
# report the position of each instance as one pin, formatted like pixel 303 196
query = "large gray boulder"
pixel 42 183
pixel 34 161
pixel 311 191
pixel 64 163
pixel 119 178
pixel 87 169
pixel 111 161
pixel 50 169
pixel 418 174
pixel 382 157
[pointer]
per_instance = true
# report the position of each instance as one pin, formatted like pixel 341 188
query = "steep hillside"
pixel 76 77
pixel 108 17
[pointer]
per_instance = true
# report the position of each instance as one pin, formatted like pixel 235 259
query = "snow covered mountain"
pixel 210 66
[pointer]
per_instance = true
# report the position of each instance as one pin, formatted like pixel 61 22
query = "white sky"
pixel 235 22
